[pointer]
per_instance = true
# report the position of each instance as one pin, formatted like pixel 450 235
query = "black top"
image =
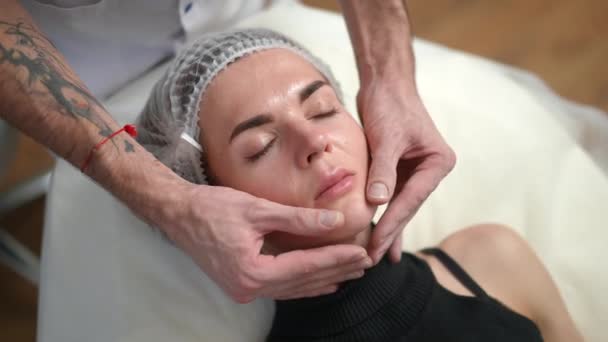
pixel 401 302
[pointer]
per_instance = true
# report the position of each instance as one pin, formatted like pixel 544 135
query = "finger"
pixel 318 292
pixel 296 220
pixel 306 290
pixel 302 263
pixel 396 249
pixel 310 289
pixel 402 208
pixel 326 277
pixel 382 175
pixel 377 252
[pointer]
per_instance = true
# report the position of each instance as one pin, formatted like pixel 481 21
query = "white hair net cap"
pixel 168 125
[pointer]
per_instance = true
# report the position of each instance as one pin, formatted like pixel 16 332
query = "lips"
pixel 334 184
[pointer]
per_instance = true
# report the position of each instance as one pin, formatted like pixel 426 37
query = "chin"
pixel 358 215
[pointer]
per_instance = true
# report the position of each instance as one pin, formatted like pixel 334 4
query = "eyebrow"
pixel 310 89
pixel 253 122
pixel 263 119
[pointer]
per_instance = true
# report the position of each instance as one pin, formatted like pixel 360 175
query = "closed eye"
pixel 258 155
pixel 266 148
pixel 327 114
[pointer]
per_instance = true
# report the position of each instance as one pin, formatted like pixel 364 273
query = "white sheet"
pixel 524 160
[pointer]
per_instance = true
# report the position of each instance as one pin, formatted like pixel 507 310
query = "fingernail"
pixel 359 256
pixel 329 218
pixel 378 190
pixel 368 262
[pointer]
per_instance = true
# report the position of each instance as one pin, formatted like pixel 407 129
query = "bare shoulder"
pixel 498 259
pixel 507 268
pixel 492 255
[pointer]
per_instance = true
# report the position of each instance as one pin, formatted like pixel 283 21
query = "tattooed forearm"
pixel 129 147
pixel 47 76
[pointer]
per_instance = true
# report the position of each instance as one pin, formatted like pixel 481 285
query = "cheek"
pixel 271 180
pixel 361 144
pixel 353 138
pixel 358 158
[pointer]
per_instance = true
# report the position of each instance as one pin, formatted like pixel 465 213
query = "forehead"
pixel 262 75
pixel 264 82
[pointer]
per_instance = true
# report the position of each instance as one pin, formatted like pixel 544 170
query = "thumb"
pixel 381 178
pixel 302 221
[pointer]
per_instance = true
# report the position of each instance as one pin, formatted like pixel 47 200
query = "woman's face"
pixel 272 126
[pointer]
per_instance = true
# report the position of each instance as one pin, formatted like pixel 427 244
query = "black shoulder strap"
pixel 457 271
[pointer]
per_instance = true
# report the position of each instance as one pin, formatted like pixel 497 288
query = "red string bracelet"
pixel 127 128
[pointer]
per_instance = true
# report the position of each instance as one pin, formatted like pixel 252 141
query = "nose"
pixel 313 144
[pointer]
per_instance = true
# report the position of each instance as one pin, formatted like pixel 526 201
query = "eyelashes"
pixel 259 155
pixel 266 148
pixel 327 114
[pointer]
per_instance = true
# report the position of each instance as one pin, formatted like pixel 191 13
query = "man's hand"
pixel 409 158
pixel 223 231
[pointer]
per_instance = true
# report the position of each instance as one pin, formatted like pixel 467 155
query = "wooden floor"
pixel 565 42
